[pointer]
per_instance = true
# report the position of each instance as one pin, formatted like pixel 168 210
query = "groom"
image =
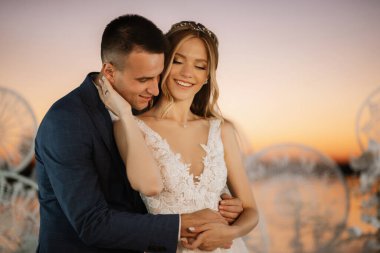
pixel 86 201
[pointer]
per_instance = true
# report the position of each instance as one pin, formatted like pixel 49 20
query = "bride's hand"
pixel 112 99
pixel 230 207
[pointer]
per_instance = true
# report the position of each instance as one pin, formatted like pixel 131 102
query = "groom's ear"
pixel 108 70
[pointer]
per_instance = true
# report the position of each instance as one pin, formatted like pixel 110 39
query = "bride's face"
pixel 189 70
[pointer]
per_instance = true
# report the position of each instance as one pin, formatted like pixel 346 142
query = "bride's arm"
pixel 214 235
pixel 238 182
pixel 141 168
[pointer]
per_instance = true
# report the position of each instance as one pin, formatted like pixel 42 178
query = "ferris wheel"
pixel 302 197
pixel 19 213
pixel 18 127
pixel 368 120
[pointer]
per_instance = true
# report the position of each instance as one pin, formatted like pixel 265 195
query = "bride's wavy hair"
pixel 205 101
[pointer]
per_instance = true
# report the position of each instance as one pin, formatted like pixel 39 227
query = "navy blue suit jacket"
pixel 86 201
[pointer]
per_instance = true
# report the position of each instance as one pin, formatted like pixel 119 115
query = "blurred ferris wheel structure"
pixel 368 120
pixel 18 127
pixel 302 198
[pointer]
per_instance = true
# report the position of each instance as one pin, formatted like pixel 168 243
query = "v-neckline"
pixel 179 156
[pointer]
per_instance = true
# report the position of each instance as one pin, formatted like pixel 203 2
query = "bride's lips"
pixel 183 83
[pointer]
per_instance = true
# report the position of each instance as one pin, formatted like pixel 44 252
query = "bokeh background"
pixel 289 71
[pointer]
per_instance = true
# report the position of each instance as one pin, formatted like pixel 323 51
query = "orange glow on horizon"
pixel 287 72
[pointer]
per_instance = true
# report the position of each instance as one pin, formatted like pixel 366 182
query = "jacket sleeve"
pixel 64 147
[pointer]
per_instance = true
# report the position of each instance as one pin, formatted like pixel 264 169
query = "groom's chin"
pixel 136 111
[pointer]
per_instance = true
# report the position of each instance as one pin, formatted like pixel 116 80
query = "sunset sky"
pixel 289 71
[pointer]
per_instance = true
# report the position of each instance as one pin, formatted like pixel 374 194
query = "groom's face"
pixel 137 80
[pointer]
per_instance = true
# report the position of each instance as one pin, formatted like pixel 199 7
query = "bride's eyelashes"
pixel 176 61
pixel 201 67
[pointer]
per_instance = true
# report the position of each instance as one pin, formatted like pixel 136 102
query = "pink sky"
pixel 290 71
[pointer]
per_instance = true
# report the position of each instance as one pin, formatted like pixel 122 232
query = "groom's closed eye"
pixel 144 79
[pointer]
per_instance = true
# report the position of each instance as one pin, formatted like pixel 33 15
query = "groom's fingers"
pixel 193 244
pixel 199 229
pixel 230 220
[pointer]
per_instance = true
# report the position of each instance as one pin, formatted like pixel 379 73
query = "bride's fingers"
pixel 103 85
pixel 229 214
pixel 100 91
pixel 105 89
pixel 106 83
pixel 100 87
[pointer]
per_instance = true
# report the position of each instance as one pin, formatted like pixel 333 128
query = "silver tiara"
pixel 193 26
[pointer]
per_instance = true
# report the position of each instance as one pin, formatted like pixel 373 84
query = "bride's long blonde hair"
pixel 205 101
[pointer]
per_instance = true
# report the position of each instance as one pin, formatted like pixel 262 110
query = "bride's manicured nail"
pixel 192 229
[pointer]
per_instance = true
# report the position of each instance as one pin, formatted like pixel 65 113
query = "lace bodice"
pixel 184 193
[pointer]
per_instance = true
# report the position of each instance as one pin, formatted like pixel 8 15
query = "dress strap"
pixel 214 136
pixel 149 132
pixel 214 130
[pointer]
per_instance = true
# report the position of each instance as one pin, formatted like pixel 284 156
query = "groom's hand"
pixel 211 236
pixel 230 208
pixel 191 220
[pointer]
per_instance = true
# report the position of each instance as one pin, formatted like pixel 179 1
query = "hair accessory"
pixel 193 26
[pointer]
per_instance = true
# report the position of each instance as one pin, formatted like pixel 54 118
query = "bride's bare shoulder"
pixel 228 130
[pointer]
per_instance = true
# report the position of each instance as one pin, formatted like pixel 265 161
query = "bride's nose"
pixel 186 71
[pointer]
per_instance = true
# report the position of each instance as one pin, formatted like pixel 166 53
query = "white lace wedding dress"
pixel 183 194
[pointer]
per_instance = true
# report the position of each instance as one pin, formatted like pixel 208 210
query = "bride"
pixel 193 151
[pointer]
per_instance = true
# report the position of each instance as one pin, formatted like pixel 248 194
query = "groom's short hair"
pixel 128 32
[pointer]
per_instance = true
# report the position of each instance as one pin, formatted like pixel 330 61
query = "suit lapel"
pixel 97 111
pixel 101 120
pixel 103 125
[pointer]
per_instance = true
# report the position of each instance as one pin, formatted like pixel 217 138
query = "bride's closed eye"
pixel 201 67
pixel 175 61
pixel 197 65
